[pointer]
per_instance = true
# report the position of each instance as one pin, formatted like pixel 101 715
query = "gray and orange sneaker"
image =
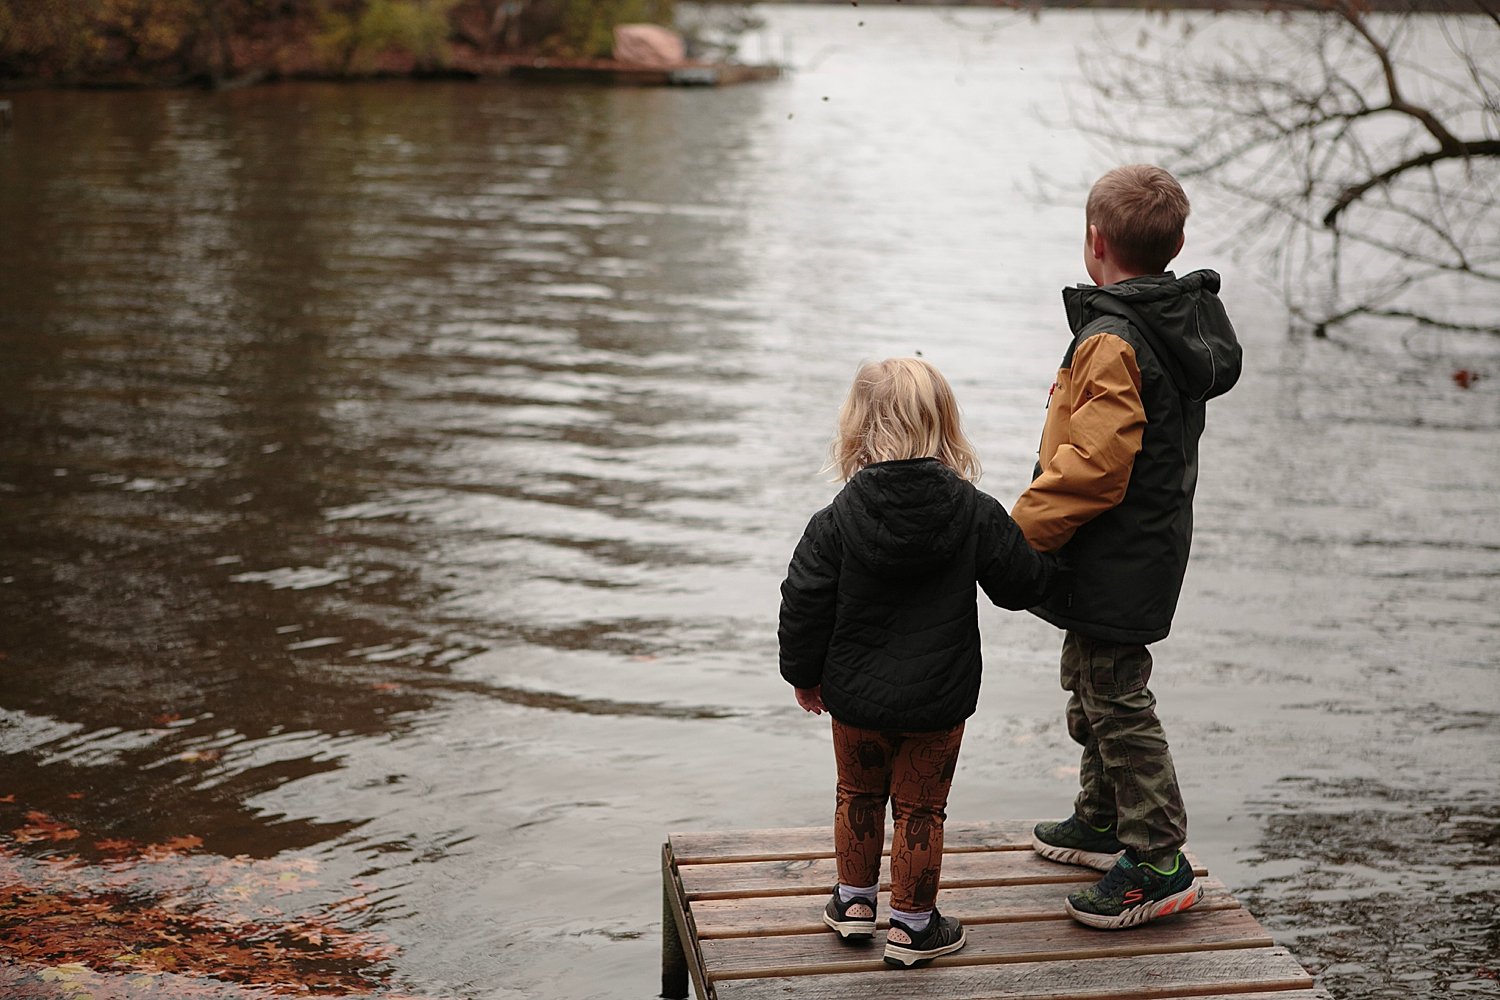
pixel 1132 893
pixel 906 947
pixel 854 919
pixel 1075 842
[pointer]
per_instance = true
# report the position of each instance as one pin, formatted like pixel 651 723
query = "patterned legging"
pixel 913 770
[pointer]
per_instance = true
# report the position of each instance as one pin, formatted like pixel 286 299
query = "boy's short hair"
pixel 1141 211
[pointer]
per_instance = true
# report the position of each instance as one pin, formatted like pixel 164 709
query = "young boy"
pixel 1113 490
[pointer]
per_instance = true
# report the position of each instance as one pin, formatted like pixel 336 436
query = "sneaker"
pixel 1074 842
pixel 906 947
pixel 854 919
pixel 1133 893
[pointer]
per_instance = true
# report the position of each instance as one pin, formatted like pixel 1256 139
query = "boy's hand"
pixel 811 699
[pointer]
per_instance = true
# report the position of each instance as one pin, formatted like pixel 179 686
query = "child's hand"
pixel 811 699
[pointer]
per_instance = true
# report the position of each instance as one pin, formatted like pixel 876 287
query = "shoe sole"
pixel 1137 915
pixel 848 929
pixel 905 958
pixel 1074 855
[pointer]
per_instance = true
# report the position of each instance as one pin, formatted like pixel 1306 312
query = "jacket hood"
pixel 1184 324
pixel 904 517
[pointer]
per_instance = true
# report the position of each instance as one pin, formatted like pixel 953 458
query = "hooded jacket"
pixel 1118 463
pixel 879 604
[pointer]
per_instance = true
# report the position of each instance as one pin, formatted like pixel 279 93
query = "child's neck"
pixel 1109 274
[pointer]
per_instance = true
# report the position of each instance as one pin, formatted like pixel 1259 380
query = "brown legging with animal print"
pixel 915 770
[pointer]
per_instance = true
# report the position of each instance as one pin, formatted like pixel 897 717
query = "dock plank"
pixel 745 912
pixel 1056 940
pixel 717 880
pixel 1148 977
pixel 1312 994
pixel 747 916
pixel 817 841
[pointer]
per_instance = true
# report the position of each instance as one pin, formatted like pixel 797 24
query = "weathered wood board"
pixel 742 920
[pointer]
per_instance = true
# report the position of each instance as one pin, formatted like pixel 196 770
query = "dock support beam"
pixel 674 965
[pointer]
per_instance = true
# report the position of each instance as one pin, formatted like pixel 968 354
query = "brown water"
pixel 396 481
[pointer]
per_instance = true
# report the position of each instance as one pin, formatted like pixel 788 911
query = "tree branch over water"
pixel 1449 145
pixel 1459 150
pixel 1361 149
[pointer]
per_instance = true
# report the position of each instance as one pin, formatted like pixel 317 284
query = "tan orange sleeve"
pixel 1095 420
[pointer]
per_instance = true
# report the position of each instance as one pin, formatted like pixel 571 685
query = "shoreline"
pixel 465 65
pixel 291 64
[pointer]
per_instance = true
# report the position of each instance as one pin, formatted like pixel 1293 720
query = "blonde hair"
pixel 901 408
pixel 1141 210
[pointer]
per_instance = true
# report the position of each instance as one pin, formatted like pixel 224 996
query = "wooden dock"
pixel 742 920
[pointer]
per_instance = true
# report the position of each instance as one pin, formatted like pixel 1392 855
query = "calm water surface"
pixel 397 480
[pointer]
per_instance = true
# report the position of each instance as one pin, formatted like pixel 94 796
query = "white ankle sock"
pixel 916 921
pixel 868 893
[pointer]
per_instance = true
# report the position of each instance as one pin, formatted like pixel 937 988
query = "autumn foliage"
pixel 99 918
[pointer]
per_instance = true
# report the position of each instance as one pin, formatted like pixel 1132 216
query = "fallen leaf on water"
pixel 170 921
pixel 39 826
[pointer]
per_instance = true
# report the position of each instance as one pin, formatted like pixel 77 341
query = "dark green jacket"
pixel 1129 560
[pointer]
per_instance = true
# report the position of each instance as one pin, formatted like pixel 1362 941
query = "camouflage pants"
pixel 913 770
pixel 1126 774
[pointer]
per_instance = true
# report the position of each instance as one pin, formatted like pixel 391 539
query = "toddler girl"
pixel 880 627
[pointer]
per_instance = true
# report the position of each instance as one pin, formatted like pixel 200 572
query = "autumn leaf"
pixel 169 921
pixel 40 827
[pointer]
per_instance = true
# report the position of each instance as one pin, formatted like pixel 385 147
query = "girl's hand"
pixel 811 699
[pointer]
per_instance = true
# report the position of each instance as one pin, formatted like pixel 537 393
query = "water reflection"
pixel 397 480
pixel 201 437
pixel 312 393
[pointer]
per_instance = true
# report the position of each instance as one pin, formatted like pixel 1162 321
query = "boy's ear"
pixel 1096 246
pixel 1181 239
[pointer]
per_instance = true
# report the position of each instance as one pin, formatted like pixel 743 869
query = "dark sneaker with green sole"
pixel 1131 894
pixel 906 947
pixel 853 920
pixel 1074 842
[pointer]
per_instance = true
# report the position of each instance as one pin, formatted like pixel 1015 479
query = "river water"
pixel 397 480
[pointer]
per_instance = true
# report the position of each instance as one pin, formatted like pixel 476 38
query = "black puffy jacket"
pixel 879 601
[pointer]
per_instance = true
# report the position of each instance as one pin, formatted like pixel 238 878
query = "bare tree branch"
pixel 1362 165
pixel 1463 150
pixel 1490 10
pixel 1397 102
